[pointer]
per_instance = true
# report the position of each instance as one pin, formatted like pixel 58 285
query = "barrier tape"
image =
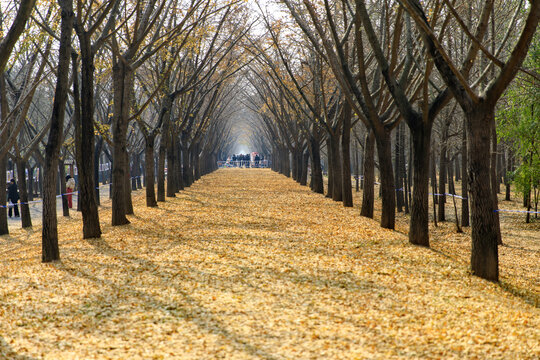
pixel 446 194
pixel 59 196
pixel 518 211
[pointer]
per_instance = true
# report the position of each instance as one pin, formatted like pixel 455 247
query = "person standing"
pixel 70 187
pixel 13 198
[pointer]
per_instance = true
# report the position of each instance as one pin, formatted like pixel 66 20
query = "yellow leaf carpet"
pixel 247 264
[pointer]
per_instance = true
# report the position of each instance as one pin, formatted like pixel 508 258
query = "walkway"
pixel 246 264
pixel 36 208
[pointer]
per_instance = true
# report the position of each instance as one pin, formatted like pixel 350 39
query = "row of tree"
pixel 137 84
pixel 329 68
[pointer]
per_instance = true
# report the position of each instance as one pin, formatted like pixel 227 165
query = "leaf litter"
pixel 247 264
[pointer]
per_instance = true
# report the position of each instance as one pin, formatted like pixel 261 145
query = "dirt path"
pixel 247 264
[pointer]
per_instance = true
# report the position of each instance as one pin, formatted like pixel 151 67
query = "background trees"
pixel 416 49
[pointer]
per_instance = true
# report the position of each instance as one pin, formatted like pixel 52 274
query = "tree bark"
pixel 30 182
pixel 26 220
pixel 97 155
pixel 384 151
pixel 62 187
pixel 484 254
pixel 149 171
pixel 162 153
pixel 442 176
pixel 196 162
pixel 337 170
pixel 397 169
pixel 368 196
pixel 84 119
pixel 494 181
pixel 317 184
pixel 330 168
pixel 294 166
pixel 305 162
pixel 286 162
pixel 171 166
pixel 50 249
pixel 419 223
pixel 127 186
pixel 178 182
pixel 464 181
pixel 404 184
pixel 346 156
pixel 121 76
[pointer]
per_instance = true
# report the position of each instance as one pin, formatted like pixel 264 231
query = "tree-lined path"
pixel 248 264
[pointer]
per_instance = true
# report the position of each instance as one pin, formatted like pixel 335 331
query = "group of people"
pixel 13 195
pixel 246 160
pixel 241 157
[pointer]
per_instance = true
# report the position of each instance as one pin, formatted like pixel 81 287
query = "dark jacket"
pixel 13 192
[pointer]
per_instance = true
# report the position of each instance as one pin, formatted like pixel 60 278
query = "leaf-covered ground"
pixel 246 264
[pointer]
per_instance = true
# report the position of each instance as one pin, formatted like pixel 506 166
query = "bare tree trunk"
pixel 149 171
pixel 26 220
pixel 464 180
pixel 337 173
pixel 135 170
pixel 84 126
pixel 384 152
pixel 458 228
pixel 196 162
pixel 419 223
pixel 404 172
pixel 179 182
pixel 50 250
pixel 30 187
pixel 356 167
pixel 442 177
pixel 127 186
pixel 286 162
pixel 305 162
pixel 330 169
pixel 121 87
pixel 63 190
pixel 171 163
pixel 161 171
pixel 484 254
pixel 368 196
pixel 433 185
pixel 397 169
pixel 346 156
pixel 294 166
pixel 450 177
pixel 495 181
pixel 317 183
pixel 185 162
pixel 457 169
pixel 97 156
pixel 179 167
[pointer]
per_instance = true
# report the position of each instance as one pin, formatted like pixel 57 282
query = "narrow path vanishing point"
pixel 248 264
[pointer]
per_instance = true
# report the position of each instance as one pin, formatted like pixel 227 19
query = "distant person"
pixel 13 198
pixel 70 187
